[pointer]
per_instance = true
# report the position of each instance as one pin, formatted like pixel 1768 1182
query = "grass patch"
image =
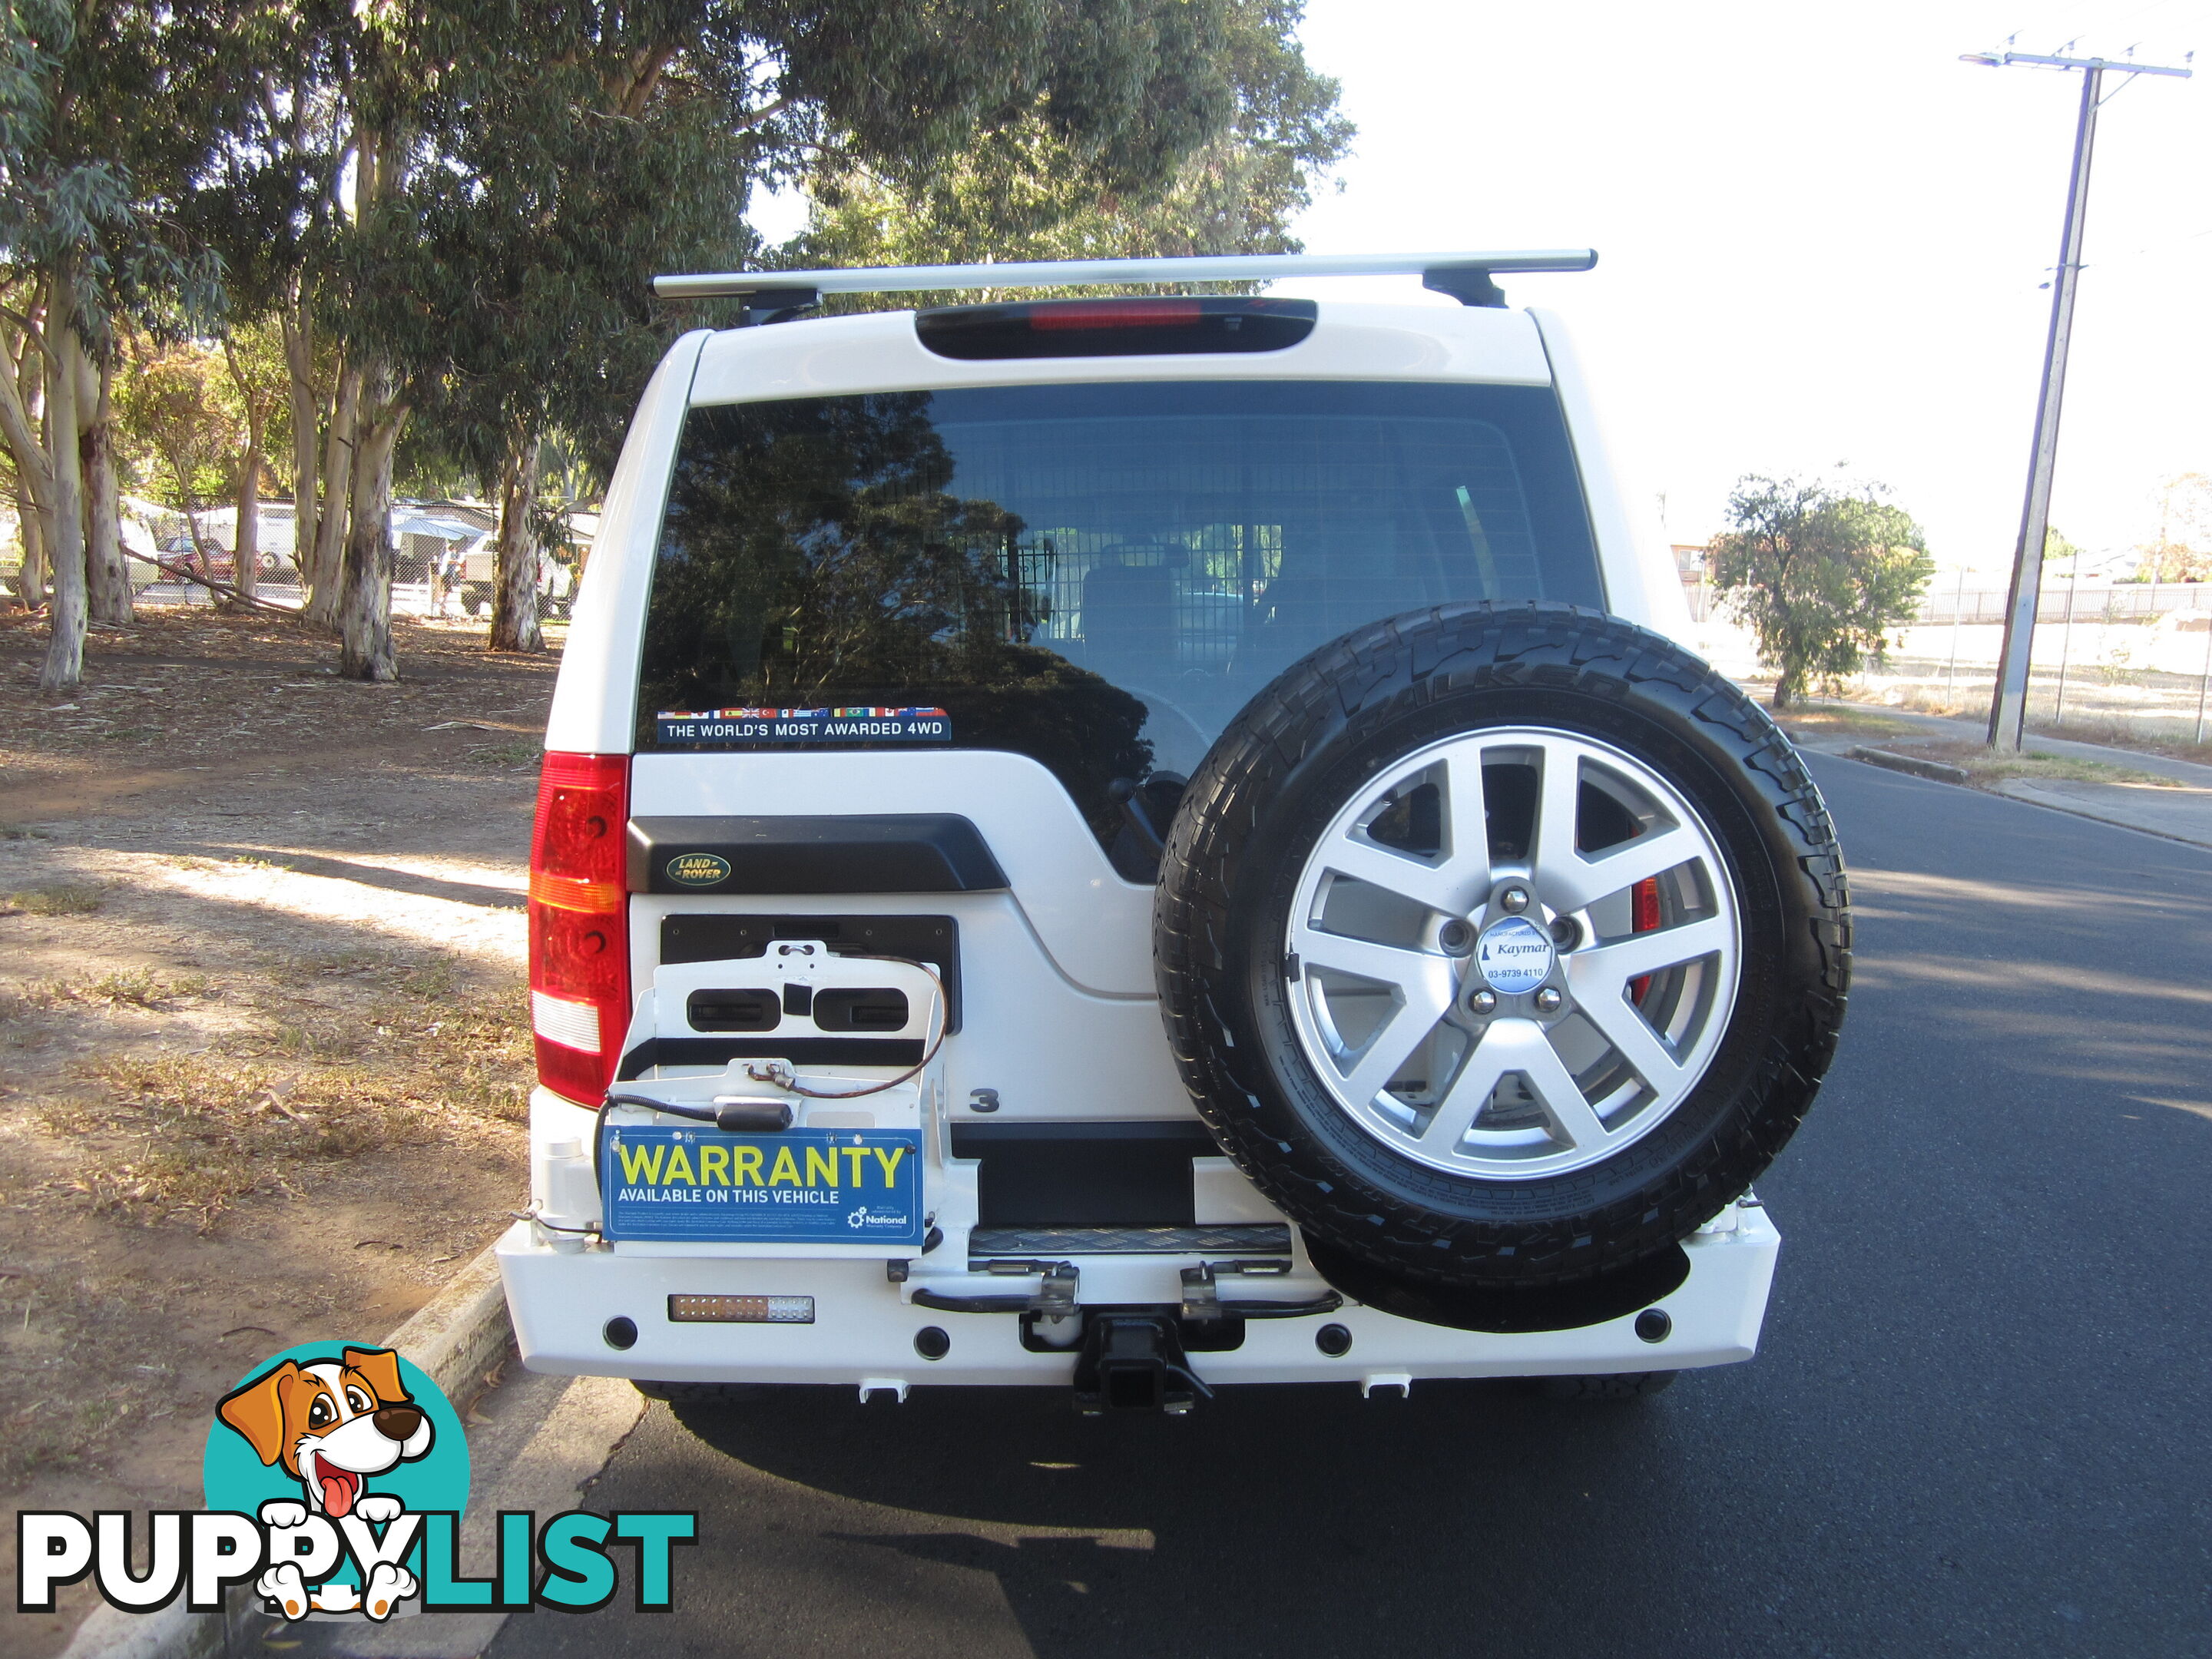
pixel 137 987
pixel 191 1134
pixel 76 899
pixel 1984 767
pixel 507 754
pixel 1994 768
pixel 141 987
pixel 1840 723
pixel 22 832
pixel 62 1394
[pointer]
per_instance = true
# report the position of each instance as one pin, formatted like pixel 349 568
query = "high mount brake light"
pixel 1115 313
pixel 579 922
pixel 1116 328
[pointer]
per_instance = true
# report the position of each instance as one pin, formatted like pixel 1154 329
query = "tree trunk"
pixel 245 559
pixel 299 361
pixel 22 423
pixel 514 597
pixel 323 574
pixel 108 576
pixel 365 580
pixel 31 579
pixel 64 664
pixel 245 536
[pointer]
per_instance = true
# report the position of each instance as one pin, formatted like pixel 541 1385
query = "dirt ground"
pixel 264 1057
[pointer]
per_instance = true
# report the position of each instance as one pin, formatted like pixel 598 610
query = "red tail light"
pixel 1644 897
pixel 579 922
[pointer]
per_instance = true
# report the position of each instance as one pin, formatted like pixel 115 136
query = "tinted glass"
pixel 1097 576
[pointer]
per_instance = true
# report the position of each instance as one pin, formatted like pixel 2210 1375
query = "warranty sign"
pixel 799 1187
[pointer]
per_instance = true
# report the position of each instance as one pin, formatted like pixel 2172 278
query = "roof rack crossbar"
pixel 1456 271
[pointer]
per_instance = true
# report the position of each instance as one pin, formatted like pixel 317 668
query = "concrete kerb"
pixel 457 1337
pixel 1940 771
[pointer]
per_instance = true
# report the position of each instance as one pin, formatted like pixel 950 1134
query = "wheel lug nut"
pixel 1483 1002
pixel 1514 900
pixel 1456 938
pixel 1548 1000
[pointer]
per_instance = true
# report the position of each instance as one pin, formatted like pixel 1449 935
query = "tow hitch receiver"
pixel 1133 1362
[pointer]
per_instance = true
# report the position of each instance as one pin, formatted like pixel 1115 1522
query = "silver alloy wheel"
pixel 1422 989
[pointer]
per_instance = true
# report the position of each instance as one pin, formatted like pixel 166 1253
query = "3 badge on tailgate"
pixel 686 1185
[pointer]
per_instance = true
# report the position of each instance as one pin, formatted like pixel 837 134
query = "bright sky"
pixel 1821 235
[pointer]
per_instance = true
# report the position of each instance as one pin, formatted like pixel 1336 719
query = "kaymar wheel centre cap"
pixel 1514 956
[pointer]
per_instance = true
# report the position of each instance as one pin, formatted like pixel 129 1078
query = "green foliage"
pixel 1023 191
pixel 92 160
pixel 1820 574
pixel 181 425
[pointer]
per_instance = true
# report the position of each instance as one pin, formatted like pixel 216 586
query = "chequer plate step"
pixel 1257 1238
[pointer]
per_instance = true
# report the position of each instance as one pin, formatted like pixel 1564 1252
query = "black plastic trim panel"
pixel 907 853
pixel 978 1139
pixel 800 1051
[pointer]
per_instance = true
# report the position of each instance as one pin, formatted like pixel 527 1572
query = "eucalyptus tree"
pixel 622 142
pixel 93 158
pixel 1022 191
pixel 454 207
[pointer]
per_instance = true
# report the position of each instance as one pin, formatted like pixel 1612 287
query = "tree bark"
pixel 245 543
pixel 31 578
pixel 300 362
pixel 324 575
pixel 64 663
pixel 365 581
pixel 514 595
pixel 22 423
pixel 245 536
pixel 108 576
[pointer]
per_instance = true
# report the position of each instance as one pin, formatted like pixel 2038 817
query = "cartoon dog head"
pixel 330 1425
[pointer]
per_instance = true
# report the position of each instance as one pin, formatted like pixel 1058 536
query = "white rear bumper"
pixel 864 1328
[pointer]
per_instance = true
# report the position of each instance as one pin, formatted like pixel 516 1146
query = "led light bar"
pixel 1070 273
pixel 741 1310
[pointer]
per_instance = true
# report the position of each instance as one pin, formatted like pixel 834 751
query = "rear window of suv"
pixel 1097 576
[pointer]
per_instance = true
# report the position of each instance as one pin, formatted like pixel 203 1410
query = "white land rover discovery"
pixel 1144 844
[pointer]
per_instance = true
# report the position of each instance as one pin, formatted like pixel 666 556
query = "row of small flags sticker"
pixel 861 725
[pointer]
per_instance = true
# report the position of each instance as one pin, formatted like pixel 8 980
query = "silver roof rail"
pixel 1466 277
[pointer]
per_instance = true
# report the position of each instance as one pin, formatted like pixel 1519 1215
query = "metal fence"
pixel 2100 602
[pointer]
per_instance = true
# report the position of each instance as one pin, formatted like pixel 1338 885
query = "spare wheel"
pixel 1502 945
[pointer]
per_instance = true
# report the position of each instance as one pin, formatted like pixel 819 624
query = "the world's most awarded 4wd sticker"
pixel 799 1187
pixel 336 1475
pixel 712 727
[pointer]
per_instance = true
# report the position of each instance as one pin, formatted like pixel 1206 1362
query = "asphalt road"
pixel 1979 1423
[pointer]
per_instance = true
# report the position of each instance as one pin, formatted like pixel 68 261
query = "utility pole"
pixel 2009 706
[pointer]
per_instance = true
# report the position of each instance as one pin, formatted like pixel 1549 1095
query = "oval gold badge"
pixel 698 869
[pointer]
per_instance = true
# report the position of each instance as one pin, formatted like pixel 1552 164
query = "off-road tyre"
pixel 1289 761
